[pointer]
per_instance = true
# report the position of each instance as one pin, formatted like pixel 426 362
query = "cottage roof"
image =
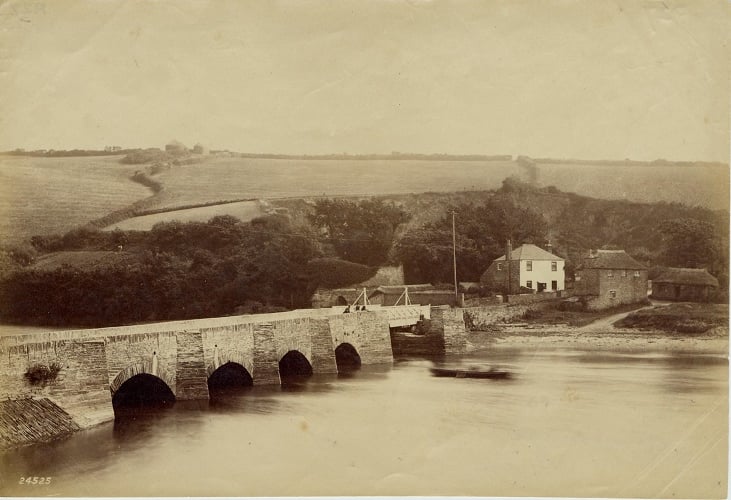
pixel 686 276
pixel 610 259
pixel 530 252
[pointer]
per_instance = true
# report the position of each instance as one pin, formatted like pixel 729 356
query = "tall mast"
pixel 454 260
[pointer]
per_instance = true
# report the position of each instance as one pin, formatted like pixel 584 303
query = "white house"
pixel 529 267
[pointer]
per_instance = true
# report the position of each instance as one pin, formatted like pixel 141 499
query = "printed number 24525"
pixel 34 480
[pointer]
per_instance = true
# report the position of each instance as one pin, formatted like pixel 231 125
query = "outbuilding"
pixel 681 283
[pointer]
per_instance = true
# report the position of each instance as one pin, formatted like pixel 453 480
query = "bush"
pixel 40 373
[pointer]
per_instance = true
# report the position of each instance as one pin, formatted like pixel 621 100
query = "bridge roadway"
pixel 97 363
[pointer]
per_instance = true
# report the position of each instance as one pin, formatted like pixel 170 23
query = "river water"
pixel 570 423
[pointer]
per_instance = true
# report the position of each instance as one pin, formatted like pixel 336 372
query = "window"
pixel 612 294
pixel 499 266
pixel 637 274
pixel 528 265
pixel 577 278
pixel 624 273
pixel 554 266
pixel 529 284
pixel 610 274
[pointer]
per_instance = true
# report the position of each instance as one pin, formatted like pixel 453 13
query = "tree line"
pixel 225 266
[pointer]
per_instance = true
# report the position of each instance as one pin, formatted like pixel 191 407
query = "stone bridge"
pixel 96 364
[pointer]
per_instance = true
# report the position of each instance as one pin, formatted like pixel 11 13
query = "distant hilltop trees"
pixel 175 152
pixel 57 153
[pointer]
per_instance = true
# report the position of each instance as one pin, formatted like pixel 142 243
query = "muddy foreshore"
pixel 715 342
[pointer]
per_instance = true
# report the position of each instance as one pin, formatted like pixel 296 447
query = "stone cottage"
pixel 608 278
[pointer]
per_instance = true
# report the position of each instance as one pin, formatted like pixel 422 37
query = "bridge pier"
pixel 191 378
pixel 266 362
pixel 323 352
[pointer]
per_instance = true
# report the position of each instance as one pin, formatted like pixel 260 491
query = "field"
pixel 704 185
pixel 54 195
pixel 238 178
pixel 244 210
pixel 47 195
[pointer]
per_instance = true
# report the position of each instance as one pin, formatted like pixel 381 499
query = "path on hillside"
pixel 607 323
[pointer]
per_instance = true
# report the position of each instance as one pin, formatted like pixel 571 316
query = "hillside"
pixel 41 195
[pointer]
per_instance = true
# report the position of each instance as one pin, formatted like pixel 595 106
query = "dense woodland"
pixel 225 266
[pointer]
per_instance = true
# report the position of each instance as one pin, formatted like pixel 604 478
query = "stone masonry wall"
pixel 479 318
pixel 266 362
pixel 230 343
pixel 293 335
pixel 367 332
pixel 191 379
pixel 80 387
pixel 323 353
pixel 451 325
pixel 129 355
pixel 26 420
pixel 628 289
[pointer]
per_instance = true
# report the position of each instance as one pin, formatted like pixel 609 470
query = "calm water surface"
pixel 570 423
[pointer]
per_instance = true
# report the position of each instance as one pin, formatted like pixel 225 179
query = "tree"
pixel 359 232
pixel 689 243
pixel 481 233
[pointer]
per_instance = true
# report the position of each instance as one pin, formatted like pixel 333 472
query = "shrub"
pixel 40 373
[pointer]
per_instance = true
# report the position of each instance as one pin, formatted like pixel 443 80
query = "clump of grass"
pixel 679 318
pixel 40 373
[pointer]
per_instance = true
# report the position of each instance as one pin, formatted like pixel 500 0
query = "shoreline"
pixel 715 342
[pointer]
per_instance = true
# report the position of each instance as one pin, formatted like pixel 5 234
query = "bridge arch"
pixel 230 375
pixel 142 390
pixel 223 356
pixel 148 366
pixel 294 366
pixel 347 358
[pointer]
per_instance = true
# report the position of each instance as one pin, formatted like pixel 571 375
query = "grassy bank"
pixel 683 318
pixel 551 315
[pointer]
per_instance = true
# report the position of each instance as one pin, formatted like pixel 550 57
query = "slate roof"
pixel 530 252
pixel 686 276
pixel 611 259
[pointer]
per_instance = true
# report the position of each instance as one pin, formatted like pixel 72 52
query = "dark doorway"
pixel 294 367
pixel 142 392
pixel 554 285
pixel 347 358
pixel 229 377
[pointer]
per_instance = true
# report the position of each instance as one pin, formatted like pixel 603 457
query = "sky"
pixel 582 79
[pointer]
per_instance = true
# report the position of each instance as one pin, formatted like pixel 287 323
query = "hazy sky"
pixel 564 78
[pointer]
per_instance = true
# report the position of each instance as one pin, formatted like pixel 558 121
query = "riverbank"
pixel 713 342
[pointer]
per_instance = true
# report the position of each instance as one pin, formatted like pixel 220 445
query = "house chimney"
pixel 549 247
